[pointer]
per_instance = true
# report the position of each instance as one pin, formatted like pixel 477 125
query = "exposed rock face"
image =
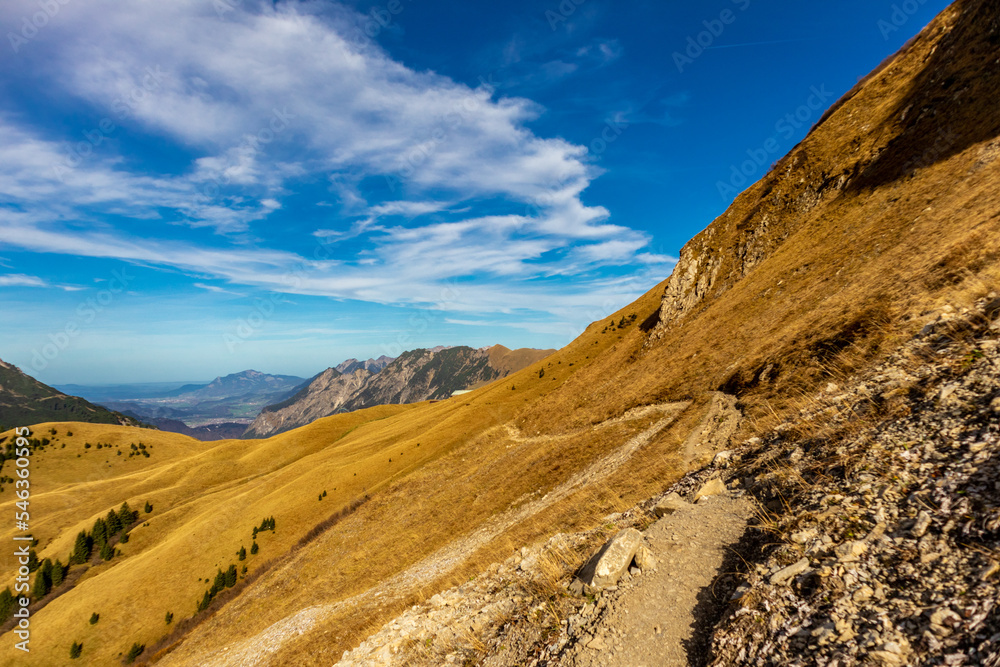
pixel 414 376
pixel 371 365
pixel 893 125
pixel 325 395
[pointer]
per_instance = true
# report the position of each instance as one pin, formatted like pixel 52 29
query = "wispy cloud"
pixel 22 280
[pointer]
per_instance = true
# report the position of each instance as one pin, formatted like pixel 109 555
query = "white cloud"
pixel 22 280
pixel 275 93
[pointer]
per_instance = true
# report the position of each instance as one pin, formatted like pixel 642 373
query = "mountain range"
pixel 862 259
pixel 415 376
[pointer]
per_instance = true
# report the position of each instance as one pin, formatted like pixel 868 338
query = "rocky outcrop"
pixel 613 560
pixel 325 395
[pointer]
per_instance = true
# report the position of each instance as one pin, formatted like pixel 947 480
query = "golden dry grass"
pixel 841 274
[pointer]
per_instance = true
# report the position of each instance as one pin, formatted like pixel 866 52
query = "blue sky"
pixel 196 187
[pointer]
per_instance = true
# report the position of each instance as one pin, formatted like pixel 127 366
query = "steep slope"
pixel 801 281
pixel 25 401
pixel 325 395
pixel 415 376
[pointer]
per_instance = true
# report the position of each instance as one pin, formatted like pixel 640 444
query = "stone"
pixel 596 644
pixel 644 559
pixel 850 552
pixel 669 504
pixel 713 487
pixel 795 569
pixel 722 459
pixel 920 527
pixel 608 565
pixel 803 536
pixel 995 404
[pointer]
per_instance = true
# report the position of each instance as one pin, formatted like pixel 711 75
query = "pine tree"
pixel 244 571
pixel 81 549
pixel 170 617
pixel 134 652
pixel 113 523
pixel 218 584
pixel 107 553
pixel 58 573
pixel 148 508
pixel 205 601
pixel 255 531
pixel 126 515
pixel 94 618
pixel 75 650
pixel 254 549
pixel 99 532
pixel 243 553
pixel 41 587
pixel 231 576
pixel 32 561
pixel 6 604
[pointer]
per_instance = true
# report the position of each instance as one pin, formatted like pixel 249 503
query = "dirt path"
pixel 662 618
pixel 259 650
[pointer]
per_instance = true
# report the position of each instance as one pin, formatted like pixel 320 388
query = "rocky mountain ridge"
pixel 417 375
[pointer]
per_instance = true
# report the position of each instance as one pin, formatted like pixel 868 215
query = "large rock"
pixel 714 487
pixel 669 504
pixel 607 566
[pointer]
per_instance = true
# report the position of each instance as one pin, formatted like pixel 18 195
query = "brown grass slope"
pixel 852 241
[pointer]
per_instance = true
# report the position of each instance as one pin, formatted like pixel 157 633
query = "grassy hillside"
pixel 815 271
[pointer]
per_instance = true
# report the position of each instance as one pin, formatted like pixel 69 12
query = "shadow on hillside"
pixel 714 600
pixel 951 104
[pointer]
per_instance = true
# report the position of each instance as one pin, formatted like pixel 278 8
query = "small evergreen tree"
pixel 32 561
pixel 170 617
pixel 244 571
pixel 107 553
pixel 99 532
pixel 113 523
pixel 255 530
pixel 205 601
pixel 81 549
pixel 134 652
pixel 231 576
pixel 6 604
pixel 75 650
pixel 58 573
pixel 94 618
pixel 148 508
pixel 126 515
pixel 243 553
pixel 324 492
pixel 124 537
pixel 41 587
pixel 254 549
pixel 218 584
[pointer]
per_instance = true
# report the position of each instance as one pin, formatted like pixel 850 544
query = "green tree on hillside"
pixel 75 650
pixel 32 561
pixel 231 576
pixel 243 553
pixel 107 553
pixel 254 549
pixel 6 604
pixel 170 617
pixel 114 525
pixel 134 652
pixel 205 601
pixel 81 549
pixel 148 508
pixel 99 532
pixel 41 586
pixel 58 573
pixel 94 618
pixel 126 515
